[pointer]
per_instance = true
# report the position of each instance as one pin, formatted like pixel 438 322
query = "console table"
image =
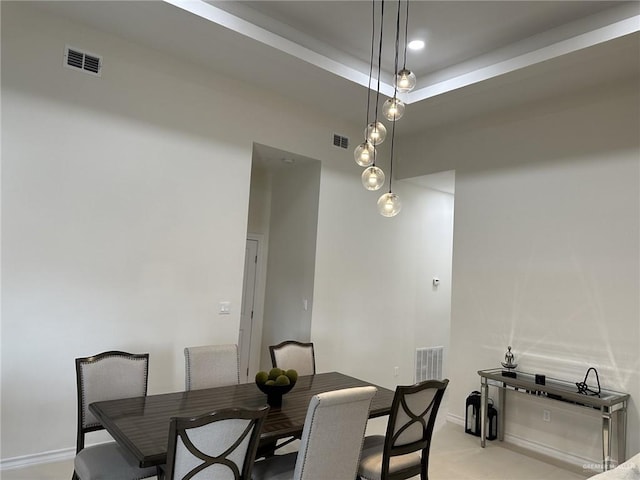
pixel 612 405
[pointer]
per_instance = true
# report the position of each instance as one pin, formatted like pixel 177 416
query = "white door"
pixel 246 314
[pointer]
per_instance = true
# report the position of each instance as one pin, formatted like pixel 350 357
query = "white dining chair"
pixel 404 451
pixel 299 356
pixel 211 366
pixel 331 439
pixel 218 446
pixel 107 376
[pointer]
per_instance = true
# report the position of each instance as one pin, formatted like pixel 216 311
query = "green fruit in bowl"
pixel 270 382
pixel 275 373
pixel 262 377
pixel 292 375
pixel 283 380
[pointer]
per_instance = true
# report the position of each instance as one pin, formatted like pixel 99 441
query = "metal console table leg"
pixel 484 396
pixel 606 438
pixel 614 420
pixel 502 391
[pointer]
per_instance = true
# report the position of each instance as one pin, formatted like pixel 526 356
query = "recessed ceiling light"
pixel 416 45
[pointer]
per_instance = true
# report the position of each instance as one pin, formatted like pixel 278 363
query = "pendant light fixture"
pixel 375 133
pixel 365 154
pixel 405 78
pixel 389 203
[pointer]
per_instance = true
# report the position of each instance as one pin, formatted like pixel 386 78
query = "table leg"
pixel 621 427
pixel 606 438
pixel 484 395
pixel 501 394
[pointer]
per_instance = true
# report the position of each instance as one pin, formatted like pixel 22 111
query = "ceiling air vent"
pixel 340 141
pixel 83 61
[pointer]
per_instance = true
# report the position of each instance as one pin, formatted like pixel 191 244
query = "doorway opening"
pixel 283 220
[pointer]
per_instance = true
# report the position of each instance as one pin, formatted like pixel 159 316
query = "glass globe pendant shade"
pixel 365 154
pixel 389 205
pixel 375 133
pixel 393 109
pixel 405 80
pixel 373 178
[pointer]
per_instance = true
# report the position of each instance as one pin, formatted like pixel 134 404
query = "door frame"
pixel 258 305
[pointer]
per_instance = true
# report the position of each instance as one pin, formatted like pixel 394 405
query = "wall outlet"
pixel 396 371
pixel 546 415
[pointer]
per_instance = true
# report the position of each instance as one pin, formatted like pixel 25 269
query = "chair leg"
pixel 267 449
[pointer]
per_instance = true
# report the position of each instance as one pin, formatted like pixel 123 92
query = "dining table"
pixel 141 424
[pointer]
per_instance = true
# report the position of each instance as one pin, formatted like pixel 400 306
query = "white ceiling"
pixel 480 56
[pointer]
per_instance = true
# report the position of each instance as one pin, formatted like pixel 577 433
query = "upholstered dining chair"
pixel 331 439
pixel 107 376
pixel 220 445
pixel 404 451
pixel 292 354
pixel 211 366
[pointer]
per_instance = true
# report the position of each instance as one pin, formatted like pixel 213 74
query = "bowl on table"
pixel 275 384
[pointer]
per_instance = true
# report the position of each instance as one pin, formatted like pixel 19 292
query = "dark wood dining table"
pixel 141 424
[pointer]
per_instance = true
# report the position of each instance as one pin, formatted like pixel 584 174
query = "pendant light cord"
pixel 395 92
pixel 379 58
pixel 397 48
pixel 406 36
pixel 373 35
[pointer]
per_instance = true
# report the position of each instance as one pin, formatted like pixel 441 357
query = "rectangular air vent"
pixel 85 62
pixel 340 141
pixel 429 363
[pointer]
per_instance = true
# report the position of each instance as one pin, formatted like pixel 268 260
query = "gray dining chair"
pixel 299 356
pixel 331 439
pixel 404 451
pixel 220 445
pixel 211 366
pixel 107 376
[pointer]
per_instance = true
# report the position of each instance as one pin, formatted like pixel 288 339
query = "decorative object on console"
pixel 584 388
pixel 509 364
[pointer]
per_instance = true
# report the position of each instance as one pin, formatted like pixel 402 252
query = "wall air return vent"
pixel 340 141
pixel 76 59
pixel 429 363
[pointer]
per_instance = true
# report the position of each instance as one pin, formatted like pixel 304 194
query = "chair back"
pixel 411 421
pixel 220 445
pixel 292 354
pixel 107 376
pixel 333 432
pixel 211 366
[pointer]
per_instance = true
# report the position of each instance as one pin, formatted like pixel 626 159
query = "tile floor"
pixel 454 456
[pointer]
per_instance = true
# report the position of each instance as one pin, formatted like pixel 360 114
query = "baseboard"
pixel 455 419
pixel 37 458
pixel 540 451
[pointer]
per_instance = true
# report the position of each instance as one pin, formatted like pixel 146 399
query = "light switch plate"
pixel 224 308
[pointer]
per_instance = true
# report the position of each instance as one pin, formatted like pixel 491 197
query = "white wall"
pixel 374 301
pixel 124 219
pixel 292 253
pixel 546 254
